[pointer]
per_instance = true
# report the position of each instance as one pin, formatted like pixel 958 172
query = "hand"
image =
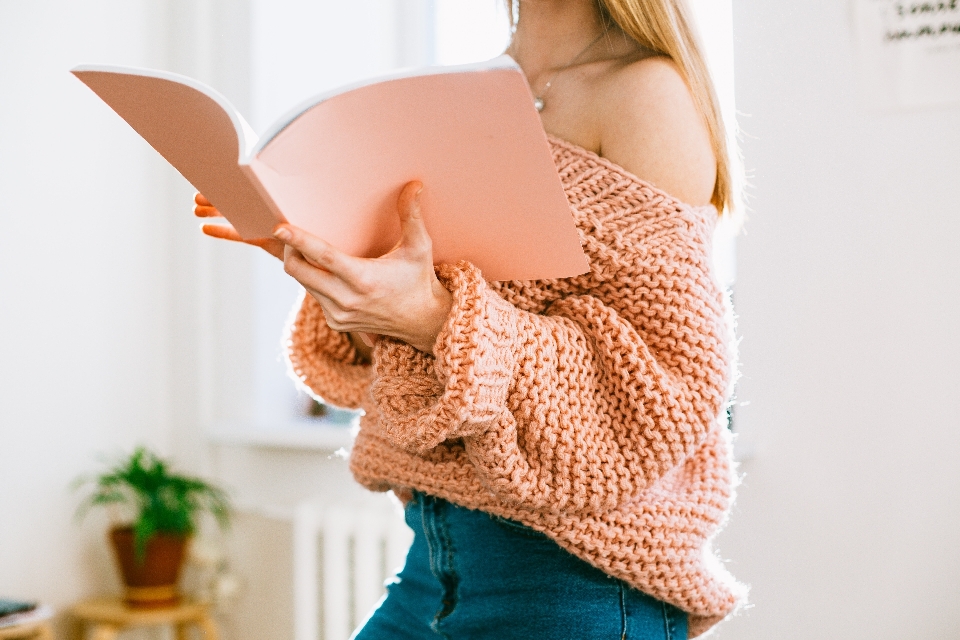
pixel 205 209
pixel 396 295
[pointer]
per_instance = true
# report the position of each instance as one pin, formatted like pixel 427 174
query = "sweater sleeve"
pixel 584 406
pixel 324 361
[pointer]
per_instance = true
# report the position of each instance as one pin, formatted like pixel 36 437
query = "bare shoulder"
pixel 649 124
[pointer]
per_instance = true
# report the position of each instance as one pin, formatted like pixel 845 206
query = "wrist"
pixel 436 318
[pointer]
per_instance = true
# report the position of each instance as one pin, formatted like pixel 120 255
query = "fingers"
pixel 318 253
pixel 413 232
pixel 312 276
pixel 204 208
pixel 222 231
pixel 339 301
pixel 206 212
pixel 227 232
pixel 332 313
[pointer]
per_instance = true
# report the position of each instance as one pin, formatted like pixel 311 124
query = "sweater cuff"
pixel 425 401
pixel 324 361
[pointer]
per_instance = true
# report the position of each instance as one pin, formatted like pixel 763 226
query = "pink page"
pixel 193 132
pixel 491 191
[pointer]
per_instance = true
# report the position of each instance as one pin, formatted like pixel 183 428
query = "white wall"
pixel 848 520
pixel 84 294
pixel 99 294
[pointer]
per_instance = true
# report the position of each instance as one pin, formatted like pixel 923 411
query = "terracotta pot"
pixel 151 581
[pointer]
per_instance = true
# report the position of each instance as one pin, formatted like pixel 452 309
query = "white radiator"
pixel 341 559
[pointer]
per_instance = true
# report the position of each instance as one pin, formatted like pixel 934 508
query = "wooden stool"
pixel 109 616
pixel 28 631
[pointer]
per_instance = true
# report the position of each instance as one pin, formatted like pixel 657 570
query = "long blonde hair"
pixel 665 26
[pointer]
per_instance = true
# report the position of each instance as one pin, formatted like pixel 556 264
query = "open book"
pixel 335 164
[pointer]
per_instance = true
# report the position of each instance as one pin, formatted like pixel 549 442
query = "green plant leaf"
pixel 163 500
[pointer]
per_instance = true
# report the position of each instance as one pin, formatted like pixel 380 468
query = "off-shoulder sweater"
pixel 588 408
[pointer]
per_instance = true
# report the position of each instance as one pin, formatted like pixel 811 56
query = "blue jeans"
pixel 469 575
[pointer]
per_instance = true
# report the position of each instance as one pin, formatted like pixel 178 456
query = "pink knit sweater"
pixel 588 408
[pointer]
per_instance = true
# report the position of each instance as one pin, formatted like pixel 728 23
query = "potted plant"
pixel 164 510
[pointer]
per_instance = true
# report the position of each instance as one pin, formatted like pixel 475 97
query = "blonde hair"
pixel 665 26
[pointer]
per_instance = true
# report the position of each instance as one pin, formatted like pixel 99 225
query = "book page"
pixel 491 190
pixel 194 129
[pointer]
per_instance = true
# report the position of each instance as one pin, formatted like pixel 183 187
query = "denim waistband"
pixel 472 575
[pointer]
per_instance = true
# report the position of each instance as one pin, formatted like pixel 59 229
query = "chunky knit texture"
pixel 588 408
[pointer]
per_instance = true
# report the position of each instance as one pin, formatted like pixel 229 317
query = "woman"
pixel 559 445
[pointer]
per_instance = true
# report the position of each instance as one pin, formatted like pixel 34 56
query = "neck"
pixel 552 32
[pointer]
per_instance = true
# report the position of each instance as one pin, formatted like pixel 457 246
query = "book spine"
pixel 264 194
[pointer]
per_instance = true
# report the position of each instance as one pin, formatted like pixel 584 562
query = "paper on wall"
pixel 908 52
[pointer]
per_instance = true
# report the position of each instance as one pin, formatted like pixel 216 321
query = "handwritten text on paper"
pixel 909 52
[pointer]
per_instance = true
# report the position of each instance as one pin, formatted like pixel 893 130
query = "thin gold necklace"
pixel 538 98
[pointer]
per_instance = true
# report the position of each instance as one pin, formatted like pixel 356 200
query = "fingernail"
pixel 283 234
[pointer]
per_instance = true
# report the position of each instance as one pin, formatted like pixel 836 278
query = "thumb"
pixel 413 232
